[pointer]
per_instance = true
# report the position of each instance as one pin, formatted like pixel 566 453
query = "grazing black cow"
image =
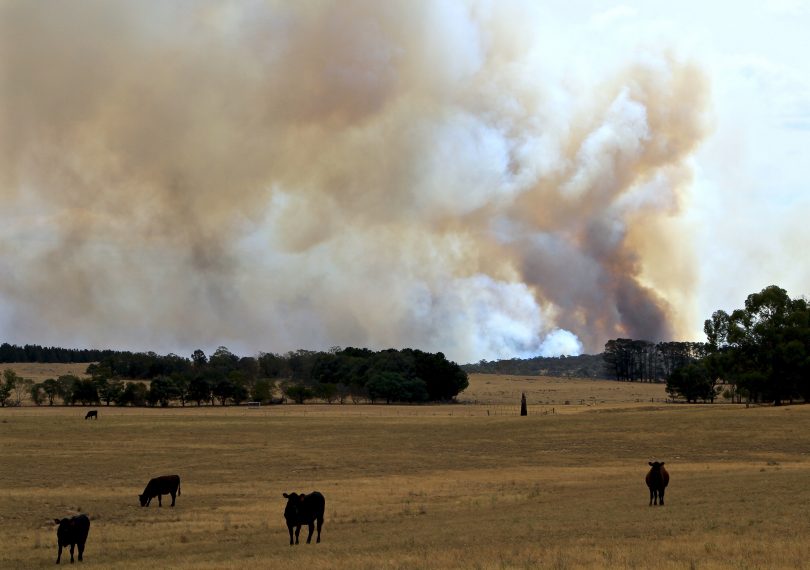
pixel 163 485
pixel 657 480
pixel 304 510
pixel 72 532
pixel 91 414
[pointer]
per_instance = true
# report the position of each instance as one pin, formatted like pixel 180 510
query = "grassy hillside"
pixel 415 487
pixel 38 372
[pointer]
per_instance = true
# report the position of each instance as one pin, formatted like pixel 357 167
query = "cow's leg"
pixel 652 494
pixel 297 532
pixel 59 556
pixel 72 546
pixel 173 498
pixel 320 524
pixel 311 526
pixel 81 550
pixel 160 500
pixel 661 497
pixel 290 528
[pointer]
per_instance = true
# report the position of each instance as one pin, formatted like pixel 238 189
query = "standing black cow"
pixel 91 414
pixel 163 485
pixel 657 480
pixel 72 532
pixel 304 510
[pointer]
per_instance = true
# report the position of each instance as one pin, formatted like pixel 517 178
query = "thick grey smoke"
pixel 278 175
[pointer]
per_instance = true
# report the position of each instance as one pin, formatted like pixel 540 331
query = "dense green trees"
pixel 692 382
pixel 136 379
pixel 760 352
pixel 388 375
pixel 763 349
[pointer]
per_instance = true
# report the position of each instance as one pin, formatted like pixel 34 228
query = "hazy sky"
pixel 486 178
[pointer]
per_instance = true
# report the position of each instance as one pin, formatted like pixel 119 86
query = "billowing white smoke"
pixel 275 175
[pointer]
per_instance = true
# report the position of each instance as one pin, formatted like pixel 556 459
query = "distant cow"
pixel 72 532
pixel 304 510
pixel 91 414
pixel 657 480
pixel 164 485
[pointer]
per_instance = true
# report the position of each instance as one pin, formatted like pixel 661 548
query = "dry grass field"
pixel 41 372
pixel 418 486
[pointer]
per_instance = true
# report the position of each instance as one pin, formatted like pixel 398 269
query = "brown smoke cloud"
pixel 274 175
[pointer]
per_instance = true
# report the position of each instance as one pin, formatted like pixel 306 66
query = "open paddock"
pixel 413 486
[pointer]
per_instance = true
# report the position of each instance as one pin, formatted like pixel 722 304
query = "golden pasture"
pixel 40 372
pixel 418 486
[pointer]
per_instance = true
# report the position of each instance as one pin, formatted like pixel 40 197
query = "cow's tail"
pixel 178 487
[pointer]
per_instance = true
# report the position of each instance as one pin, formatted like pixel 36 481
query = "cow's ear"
pixel 286 496
pixel 649 463
pixel 661 463
pixel 57 521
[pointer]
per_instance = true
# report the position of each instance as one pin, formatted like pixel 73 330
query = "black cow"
pixel 91 414
pixel 304 510
pixel 72 532
pixel 657 480
pixel 163 485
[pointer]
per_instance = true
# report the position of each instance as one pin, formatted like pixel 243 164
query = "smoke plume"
pixel 280 175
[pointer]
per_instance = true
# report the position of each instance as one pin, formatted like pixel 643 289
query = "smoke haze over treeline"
pixel 278 175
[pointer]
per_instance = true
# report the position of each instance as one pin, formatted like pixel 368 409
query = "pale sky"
pixel 485 178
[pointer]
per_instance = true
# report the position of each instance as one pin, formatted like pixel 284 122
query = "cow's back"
pixel 163 485
pixel 315 505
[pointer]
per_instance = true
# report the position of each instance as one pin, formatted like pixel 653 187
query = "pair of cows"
pixel 73 531
pixel 301 509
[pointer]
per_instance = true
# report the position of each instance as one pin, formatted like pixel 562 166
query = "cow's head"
pixel 294 501
pixel 63 529
pixel 656 465
pixel 143 499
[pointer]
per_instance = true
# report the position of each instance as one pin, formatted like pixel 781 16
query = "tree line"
pixel 149 379
pixel 35 353
pixel 630 360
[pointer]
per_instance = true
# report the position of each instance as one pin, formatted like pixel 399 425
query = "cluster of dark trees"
pixel 581 366
pixel 760 352
pixel 138 379
pixel 36 353
pixel 631 360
